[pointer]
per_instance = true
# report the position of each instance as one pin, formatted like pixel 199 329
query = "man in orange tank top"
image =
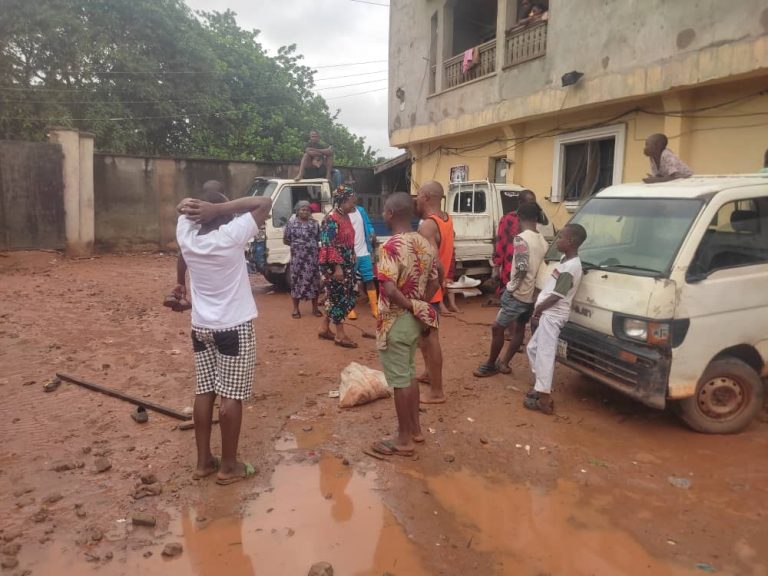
pixel 437 228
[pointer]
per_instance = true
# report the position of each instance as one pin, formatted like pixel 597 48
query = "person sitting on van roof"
pixel 765 162
pixel 665 165
pixel 317 161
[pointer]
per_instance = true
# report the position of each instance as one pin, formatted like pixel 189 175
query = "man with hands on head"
pixel 212 235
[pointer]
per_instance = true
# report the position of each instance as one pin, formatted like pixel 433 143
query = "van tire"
pixel 737 385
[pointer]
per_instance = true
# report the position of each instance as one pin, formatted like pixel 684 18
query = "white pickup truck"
pixel 267 253
pixel 673 307
pixel 476 209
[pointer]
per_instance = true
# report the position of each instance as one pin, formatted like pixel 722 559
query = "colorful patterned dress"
pixel 303 236
pixel 337 246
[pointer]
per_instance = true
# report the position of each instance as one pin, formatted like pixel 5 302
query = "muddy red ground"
pixel 495 490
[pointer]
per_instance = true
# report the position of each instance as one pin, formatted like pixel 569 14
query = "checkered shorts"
pixel 225 360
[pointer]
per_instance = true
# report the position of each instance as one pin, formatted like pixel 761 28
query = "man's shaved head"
pixel 432 190
pixel 655 144
pixel 213 192
pixel 401 205
pixel 527 197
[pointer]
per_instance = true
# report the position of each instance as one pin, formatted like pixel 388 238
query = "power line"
pixel 350 75
pixel 371 3
pixel 355 94
pixel 348 64
pixel 354 84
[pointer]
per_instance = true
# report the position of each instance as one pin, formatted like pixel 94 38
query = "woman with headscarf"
pixel 302 234
pixel 337 264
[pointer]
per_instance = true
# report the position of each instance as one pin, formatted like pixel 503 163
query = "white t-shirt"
pixel 361 246
pixel 530 249
pixel 218 276
pixel 564 281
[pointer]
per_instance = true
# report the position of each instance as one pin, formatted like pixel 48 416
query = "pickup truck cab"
pixel 673 306
pixel 267 253
pixel 476 208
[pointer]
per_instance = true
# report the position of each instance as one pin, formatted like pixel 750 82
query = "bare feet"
pixel 208 468
pixel 430 398
pixel 418 438
pixel 423 378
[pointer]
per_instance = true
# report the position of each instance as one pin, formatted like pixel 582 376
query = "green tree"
pixel 151 77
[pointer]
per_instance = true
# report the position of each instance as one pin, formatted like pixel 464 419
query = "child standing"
pixel 408 279
pixel 553 307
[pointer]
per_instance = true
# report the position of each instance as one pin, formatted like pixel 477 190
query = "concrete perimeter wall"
pixel 31 195
pixel 135 198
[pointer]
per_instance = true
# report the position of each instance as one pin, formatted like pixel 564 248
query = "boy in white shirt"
pixel 212 242
pixel 518 296
pixel 553 307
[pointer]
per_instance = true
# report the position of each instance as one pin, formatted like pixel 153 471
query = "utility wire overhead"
pixel 371 3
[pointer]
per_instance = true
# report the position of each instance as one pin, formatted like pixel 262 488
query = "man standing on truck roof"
pixel 317 161
pixel 437 228
pixel 665 165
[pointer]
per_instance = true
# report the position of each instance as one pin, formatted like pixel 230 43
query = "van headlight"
pixel 656 333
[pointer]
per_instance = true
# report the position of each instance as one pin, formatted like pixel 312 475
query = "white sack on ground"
pixel 360 385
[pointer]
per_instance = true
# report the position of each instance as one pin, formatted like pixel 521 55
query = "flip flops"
pixel 485 370
pixel 389 448
pixel 503 368
pixel 534 403
pixel 217 463
pixel 248 471
pixel 327 335
pixel 345 343
pixel 296 315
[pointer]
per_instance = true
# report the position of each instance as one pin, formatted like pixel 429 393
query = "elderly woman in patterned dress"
pixel 302 234
pixel 337 264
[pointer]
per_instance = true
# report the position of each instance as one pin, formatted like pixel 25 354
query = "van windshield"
pixel 639 236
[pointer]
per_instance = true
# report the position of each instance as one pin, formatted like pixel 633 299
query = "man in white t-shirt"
pixel 212 242
pixel 364 238
pixel 517 298
pixel 553 307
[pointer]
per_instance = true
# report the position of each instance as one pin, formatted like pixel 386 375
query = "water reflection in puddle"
pixel 321 512
pixel 536 531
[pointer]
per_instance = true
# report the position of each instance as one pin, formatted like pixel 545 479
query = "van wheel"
pixel 728 397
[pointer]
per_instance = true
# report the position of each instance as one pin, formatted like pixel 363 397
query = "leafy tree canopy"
pixel 152 77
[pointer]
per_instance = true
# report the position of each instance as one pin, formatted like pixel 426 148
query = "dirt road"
pixel 495 490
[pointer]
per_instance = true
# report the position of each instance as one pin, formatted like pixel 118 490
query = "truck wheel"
pixel 728 397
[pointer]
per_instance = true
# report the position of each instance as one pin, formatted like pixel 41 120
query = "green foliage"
pixel 151 77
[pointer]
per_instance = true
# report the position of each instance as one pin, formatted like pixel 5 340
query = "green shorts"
pixel 399 357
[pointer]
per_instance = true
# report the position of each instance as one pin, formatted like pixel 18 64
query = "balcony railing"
pixel 453 75
pixel 525 44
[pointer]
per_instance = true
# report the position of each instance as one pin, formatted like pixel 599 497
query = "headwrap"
pixel 299 205
pixel 342 194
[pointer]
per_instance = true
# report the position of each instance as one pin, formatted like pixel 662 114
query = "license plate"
pixel 562 348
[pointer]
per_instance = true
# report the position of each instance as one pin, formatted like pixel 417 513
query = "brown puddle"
pixel 536 531
pixel 320 512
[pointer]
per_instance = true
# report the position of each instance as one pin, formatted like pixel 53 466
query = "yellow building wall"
pixel 729 139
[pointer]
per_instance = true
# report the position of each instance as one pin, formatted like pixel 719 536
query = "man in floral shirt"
pixel 408 279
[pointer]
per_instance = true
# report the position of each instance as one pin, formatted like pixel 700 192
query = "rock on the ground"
pixel 143 520
pixel 9 562
pixel 95 534
pixel 40 516
pixel 449 458
pixel 148 478
pixel 321 569
pixel 52 498
pixel 147 490
pixel 683 483
pixel 101 464
pixel 11 536
pixel 66 466
pixel 172 549
pixel 11 549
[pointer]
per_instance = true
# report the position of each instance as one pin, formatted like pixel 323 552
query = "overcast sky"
pixel 331 34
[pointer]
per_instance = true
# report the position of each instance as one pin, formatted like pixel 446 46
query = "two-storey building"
pixel 559 95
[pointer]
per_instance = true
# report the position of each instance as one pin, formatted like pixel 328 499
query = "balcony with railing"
pixel 526 43
pixel 453 75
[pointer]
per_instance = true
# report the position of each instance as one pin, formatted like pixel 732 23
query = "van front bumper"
pixel 641 372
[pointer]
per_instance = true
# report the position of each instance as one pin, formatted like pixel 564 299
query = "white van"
pixel 673 307
pixel 267 253
pixel 476 209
